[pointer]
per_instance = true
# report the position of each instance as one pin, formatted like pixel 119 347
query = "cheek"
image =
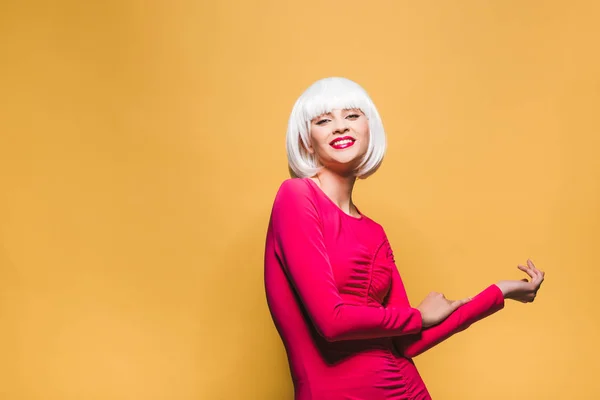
pixel 363 129
pixel 317 135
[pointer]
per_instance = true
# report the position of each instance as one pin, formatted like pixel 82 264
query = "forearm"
pixel 484 304
pixel 347 322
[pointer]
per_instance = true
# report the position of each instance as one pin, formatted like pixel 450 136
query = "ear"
pixel 308 146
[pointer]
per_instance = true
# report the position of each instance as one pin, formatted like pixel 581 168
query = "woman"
pixel 332 286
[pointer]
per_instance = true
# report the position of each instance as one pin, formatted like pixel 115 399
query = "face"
pixel 340 139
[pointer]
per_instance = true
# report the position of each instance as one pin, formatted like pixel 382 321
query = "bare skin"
pixel 337 181
pixel 435 307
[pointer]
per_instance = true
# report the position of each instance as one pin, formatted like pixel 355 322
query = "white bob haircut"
pixel 321 97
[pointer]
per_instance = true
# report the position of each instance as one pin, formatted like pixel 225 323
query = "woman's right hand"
pixel 436 307
pixel 523 290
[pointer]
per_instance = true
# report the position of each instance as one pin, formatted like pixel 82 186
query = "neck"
pixel 338 188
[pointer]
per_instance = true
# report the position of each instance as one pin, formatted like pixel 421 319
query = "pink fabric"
pixel 339 304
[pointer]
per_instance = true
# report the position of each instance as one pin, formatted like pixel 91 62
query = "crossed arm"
pixel 301 247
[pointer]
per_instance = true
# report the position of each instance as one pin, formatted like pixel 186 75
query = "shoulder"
pixel 379 231
pixel 294 203
pixel 293 192
pixel 296 185
pixel 293 188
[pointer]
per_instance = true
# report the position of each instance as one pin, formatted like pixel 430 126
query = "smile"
pixel 342 143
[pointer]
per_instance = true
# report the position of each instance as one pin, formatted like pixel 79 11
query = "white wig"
pixel 320 98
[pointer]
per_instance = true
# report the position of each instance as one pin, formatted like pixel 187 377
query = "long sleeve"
pixel 487 302
pixel 300 246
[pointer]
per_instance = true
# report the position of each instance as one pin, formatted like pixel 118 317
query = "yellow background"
pixel 142 143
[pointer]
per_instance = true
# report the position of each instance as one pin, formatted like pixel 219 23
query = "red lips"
pixel 336 142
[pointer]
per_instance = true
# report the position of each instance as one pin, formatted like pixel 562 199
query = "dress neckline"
pixel 335 205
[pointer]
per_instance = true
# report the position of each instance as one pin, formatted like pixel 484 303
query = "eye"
pixel 353 116
pixel 321 121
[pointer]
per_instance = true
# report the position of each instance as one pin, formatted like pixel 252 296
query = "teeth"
pixel 339 142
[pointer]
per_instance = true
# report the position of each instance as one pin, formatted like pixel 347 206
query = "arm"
pixel 487 302
pixel 301 248
pixel 484 304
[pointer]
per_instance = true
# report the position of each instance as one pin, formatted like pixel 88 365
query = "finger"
pixel 536 276
pixel 540 274
pixel 524 269
pixel 537 270
pixel 531 265
pixel 457 303
pixel 539 281
pixel 528 271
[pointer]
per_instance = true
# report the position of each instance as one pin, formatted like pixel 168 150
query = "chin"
pixel 349 159
pixel 344 166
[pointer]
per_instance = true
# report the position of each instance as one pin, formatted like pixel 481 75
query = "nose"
pixel 340 125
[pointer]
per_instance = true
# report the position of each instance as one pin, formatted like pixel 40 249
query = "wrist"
pixel 503 288
pixel 424 321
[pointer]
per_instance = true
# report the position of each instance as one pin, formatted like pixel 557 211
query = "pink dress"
pixel 339 304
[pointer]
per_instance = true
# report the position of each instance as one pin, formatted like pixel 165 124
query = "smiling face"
pixel 340 139
pixel 332 108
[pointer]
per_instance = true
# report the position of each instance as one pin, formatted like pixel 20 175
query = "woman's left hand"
pixel 523 290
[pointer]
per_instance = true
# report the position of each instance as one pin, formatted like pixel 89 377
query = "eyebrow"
pixel 345 109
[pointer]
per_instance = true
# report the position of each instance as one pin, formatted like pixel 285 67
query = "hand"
pixel 523 290
pixel 435 308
